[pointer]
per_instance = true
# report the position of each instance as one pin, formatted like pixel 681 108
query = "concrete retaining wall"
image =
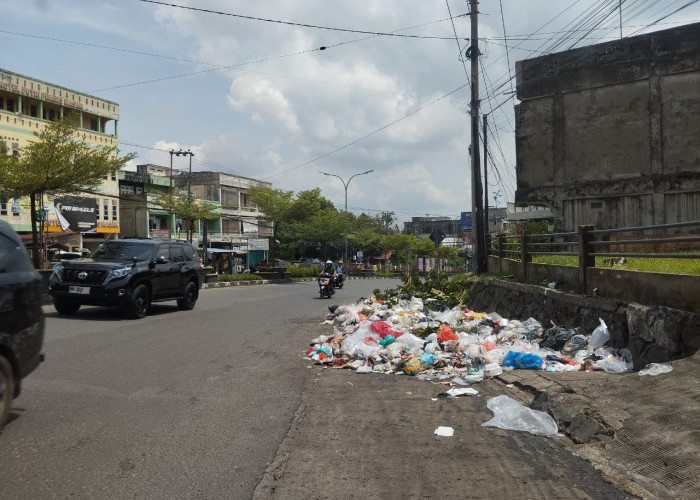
pixel 652 333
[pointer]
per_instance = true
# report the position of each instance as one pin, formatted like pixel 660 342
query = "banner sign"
pixel 76 213
pixel 466 221
pixel 250 228
pixel 258 244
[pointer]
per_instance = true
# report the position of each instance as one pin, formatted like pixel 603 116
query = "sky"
pixel 286 90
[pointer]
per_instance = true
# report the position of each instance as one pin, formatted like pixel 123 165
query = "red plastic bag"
pixel 446 334
pixel 383 329
pixel 488 345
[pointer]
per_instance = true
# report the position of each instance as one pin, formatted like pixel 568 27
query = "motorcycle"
pixel 339 280
pixel 325 285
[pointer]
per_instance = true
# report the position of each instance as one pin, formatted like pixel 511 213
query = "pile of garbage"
pixel 423 339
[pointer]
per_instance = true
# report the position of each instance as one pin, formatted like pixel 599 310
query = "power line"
pixel 319 157
pixel 290 23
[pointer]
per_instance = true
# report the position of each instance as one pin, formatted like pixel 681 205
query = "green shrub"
pixel 239 277
pixel 296 271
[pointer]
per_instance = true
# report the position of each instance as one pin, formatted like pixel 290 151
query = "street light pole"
pixel 345 185
pixel 180 152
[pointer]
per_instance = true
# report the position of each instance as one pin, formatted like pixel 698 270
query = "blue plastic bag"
pixel 516 359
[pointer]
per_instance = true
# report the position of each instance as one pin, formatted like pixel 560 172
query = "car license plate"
pixel 83 290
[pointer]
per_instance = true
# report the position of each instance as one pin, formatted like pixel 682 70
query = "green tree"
pixel 277 206
pixel 188 208
pixel 56 163
pixel 325 227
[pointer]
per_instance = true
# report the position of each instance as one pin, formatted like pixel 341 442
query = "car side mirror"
pixel 161 259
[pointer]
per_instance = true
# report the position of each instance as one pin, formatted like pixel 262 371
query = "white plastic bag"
pixel 654 369
pixel 599 336
pixel 511 414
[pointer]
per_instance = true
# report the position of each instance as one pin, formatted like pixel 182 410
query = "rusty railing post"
pixel 585 259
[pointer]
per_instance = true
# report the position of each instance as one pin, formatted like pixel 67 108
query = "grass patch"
pixel 644 264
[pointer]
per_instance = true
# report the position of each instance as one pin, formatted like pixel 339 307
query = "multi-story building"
pixel 27 105
pixel 240 230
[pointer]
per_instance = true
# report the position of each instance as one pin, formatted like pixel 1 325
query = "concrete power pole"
pixel 486 191
pixel 478 263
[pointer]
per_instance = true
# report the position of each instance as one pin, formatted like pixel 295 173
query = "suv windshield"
pixel 123 250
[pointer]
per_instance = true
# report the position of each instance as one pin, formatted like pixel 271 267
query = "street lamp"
pixel 179 152
pixel 345 185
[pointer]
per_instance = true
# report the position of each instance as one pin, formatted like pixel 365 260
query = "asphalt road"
pixel 181 404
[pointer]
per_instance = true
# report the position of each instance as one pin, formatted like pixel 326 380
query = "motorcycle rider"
pixel 339 272
pixel 329 271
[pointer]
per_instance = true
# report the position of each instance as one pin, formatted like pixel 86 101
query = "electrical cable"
pixel 290 23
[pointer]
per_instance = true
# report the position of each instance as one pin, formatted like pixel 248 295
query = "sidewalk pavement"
pixel 644 431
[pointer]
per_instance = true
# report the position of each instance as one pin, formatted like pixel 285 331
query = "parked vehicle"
pixel 129 273
pixel 21 318
pixel 325 285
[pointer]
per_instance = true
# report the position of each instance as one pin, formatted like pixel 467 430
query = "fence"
pixel 512 255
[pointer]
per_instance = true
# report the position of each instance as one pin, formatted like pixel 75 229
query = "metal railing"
pixel 588 243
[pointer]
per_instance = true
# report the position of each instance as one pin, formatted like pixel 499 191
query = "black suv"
pixel 21 319
pixel 129 273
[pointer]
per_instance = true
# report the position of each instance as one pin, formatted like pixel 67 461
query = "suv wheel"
pixel 139 304
pixel 7 388
pixel 66 307
pixel 189 299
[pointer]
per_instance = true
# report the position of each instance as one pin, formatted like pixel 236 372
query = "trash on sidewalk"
pixel 511 414
pixel 424 339
pixel 654 369
pixel 455 392
pixel 445 431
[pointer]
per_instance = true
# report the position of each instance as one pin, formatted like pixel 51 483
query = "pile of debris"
pixel 432 342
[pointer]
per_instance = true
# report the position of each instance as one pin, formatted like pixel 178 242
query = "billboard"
pixel 76 213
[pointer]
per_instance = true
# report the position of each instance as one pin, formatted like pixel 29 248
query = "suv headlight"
pixel 57 274
pixel 117 273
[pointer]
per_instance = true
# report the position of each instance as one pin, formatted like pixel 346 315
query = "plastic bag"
pixel 383 329
pixel 516 359
pixel 599 336
pixel 556 337
pixel 511 414
pixel 410 340
pixel 654 369
pixel 418 364
pixel 446 334
pixel 388 340
pixel 621 362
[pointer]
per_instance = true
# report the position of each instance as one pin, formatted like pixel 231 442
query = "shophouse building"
pixel 27 105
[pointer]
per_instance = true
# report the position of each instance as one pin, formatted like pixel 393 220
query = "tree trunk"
pixel 36 257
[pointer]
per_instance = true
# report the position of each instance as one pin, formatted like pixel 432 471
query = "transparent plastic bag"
pixel 599 336
pixel 511 414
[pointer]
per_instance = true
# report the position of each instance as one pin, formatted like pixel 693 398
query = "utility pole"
pixel 486 192
pixel 477 201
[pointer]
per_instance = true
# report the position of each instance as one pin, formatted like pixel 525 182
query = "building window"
pixel 105 212
pixel 33 110
pixel 3 208
pixel 52 115
pixel 10 105
pixel 2 103
pixel 114 212
pixel 93 126
pixel 114 176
